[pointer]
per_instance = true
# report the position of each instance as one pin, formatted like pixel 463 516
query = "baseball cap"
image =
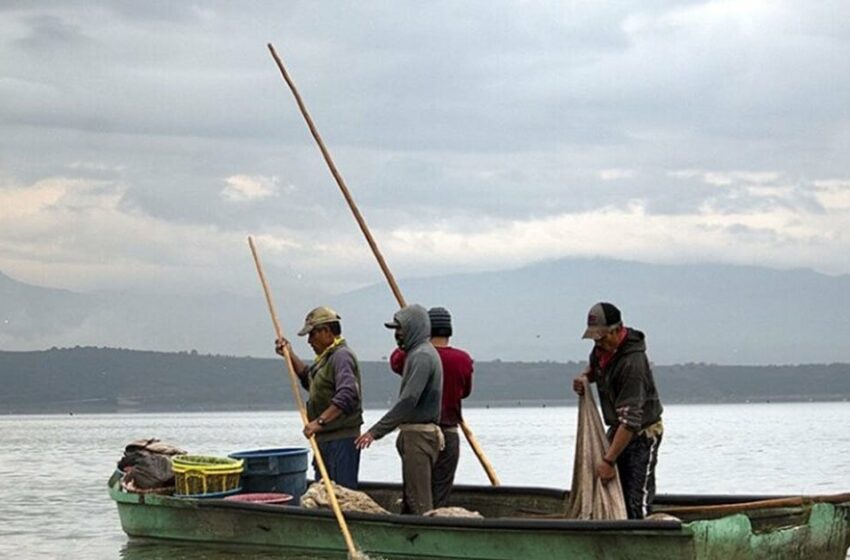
pixel 601 318
pixel 316 317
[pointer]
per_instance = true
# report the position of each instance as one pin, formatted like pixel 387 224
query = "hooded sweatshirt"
pixel 421 391
pixel 627 392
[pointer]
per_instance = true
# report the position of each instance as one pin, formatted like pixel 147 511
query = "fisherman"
pixel 630 405
pixel 416 413
pixel 335 404
pixel 457 385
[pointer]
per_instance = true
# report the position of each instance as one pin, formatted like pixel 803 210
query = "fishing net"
pixel 316 497
pixel 590 498
pixel 452 511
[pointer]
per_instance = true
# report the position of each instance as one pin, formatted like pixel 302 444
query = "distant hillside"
pixel 691 313
pixel 33 317
pixel 86 379
pixel 718 314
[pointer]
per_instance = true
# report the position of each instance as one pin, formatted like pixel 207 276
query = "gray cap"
pixel 601 318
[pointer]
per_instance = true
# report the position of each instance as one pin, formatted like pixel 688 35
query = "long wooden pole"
pixel 479 452
pixel 353 553
pixel 473 443
pixel 727 509
pixel 339 180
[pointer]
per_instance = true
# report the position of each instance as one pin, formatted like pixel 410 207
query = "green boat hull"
pixel 514 528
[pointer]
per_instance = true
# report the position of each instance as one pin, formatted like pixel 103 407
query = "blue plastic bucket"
pixel 274 470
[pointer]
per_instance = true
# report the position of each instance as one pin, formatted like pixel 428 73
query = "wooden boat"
pixel 519 523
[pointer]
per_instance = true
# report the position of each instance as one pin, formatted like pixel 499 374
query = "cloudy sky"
pixel 142 142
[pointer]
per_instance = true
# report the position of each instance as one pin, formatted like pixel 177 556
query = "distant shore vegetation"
pixel 86 379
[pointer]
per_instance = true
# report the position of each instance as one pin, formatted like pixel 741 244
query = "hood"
pixel 635 342
pixel 415 326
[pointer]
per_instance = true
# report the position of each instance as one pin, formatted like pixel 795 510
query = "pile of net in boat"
pixel 590 498
pixel 452 511
pixel 316 497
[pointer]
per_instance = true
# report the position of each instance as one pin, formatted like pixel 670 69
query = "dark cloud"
pixel 446 116
pixel 48 34
pixel 161 11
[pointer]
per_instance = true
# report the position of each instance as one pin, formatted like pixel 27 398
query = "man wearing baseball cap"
pixel 335 404
pixel 630 405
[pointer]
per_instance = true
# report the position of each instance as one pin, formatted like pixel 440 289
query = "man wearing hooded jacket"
pixel 630 405
pixel 416 413
pixel 457 385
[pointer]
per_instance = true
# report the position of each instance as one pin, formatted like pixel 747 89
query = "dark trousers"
pixel 443 477
pixel 636 465
pixel 418 451
pixel 342 460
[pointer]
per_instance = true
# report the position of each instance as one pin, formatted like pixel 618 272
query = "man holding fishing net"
pixel 335 405
pixel 630 405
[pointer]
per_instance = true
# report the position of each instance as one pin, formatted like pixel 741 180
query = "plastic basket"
pixel 197 474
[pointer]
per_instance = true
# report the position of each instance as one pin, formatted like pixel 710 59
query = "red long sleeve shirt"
pixel 457 380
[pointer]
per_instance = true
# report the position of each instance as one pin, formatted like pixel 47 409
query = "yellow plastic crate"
pixel 199 474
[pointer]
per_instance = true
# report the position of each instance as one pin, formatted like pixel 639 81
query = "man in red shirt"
pixel 457 385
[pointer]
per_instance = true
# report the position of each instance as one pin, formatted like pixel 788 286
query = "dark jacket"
pixel 627 392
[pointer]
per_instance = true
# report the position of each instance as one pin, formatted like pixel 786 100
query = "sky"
pixel 142 142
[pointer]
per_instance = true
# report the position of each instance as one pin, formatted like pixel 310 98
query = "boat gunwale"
pixel 501 523
pixel 662 499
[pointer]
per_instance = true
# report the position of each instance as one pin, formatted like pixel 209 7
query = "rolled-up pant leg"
pixel 418 451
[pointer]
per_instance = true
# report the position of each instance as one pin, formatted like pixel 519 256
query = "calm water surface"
pixel 53 469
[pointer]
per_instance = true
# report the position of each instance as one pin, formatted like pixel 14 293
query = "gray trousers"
pixel 418 451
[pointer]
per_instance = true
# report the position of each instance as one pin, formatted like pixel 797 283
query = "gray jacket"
pixel 421 392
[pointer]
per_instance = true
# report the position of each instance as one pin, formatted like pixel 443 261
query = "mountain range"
pixel 700 313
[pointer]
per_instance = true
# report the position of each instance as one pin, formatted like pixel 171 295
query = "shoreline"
pixel 525 403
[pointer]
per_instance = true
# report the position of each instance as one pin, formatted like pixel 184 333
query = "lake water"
pixel 53 469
